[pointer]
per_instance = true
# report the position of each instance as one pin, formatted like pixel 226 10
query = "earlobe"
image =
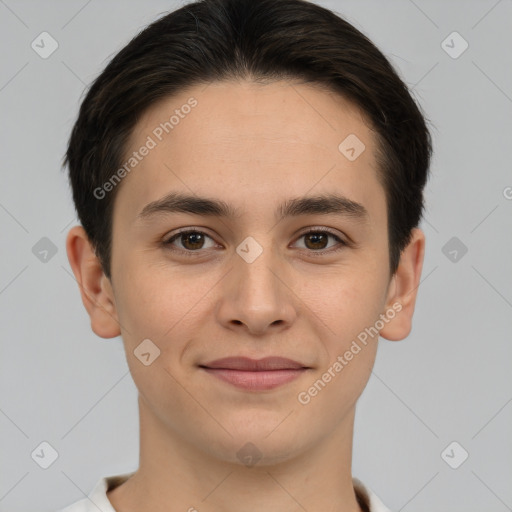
pixel 403 289
pixel 95 287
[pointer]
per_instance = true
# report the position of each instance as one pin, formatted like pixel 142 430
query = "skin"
pixel 253 146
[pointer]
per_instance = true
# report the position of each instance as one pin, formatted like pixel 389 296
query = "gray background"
pixel 449 381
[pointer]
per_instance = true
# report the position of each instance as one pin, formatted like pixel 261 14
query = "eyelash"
pixel 342 244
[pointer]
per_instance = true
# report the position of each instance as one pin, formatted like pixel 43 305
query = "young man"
pixel 249 178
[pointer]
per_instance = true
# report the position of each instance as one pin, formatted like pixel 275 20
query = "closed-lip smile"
pixel 255 374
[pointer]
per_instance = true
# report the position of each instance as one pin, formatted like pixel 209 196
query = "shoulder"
pixel 97 499
pixel 367 497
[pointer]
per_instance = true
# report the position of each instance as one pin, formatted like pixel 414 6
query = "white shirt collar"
pixel 97 500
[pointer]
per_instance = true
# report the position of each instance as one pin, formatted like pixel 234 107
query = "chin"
pixel 259 443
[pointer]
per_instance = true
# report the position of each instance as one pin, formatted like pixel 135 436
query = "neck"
pixel 174 475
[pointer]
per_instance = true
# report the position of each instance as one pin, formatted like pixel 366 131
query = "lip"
pixel 255 374
pixel 254 365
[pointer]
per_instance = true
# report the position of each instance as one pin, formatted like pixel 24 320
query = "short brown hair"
pixel 261 40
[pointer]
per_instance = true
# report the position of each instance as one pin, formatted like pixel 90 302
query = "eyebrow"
pixel 324 204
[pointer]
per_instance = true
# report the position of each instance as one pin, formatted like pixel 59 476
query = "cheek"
pixel 346 300
pixel 334 391
pixel 164 309
pixel 157 302
pixel 348 310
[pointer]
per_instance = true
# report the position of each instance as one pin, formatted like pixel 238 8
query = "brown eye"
pixel 189 240
pixel 318 240
pixel 192 240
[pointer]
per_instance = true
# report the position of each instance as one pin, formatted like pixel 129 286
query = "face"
pixel 268 280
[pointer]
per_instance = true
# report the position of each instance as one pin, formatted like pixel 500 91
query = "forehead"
pixel 262 140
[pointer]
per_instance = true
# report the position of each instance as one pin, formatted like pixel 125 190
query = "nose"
pixel 257 297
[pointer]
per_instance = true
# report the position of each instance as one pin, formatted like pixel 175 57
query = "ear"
pixel 403 288
pixel 95 287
